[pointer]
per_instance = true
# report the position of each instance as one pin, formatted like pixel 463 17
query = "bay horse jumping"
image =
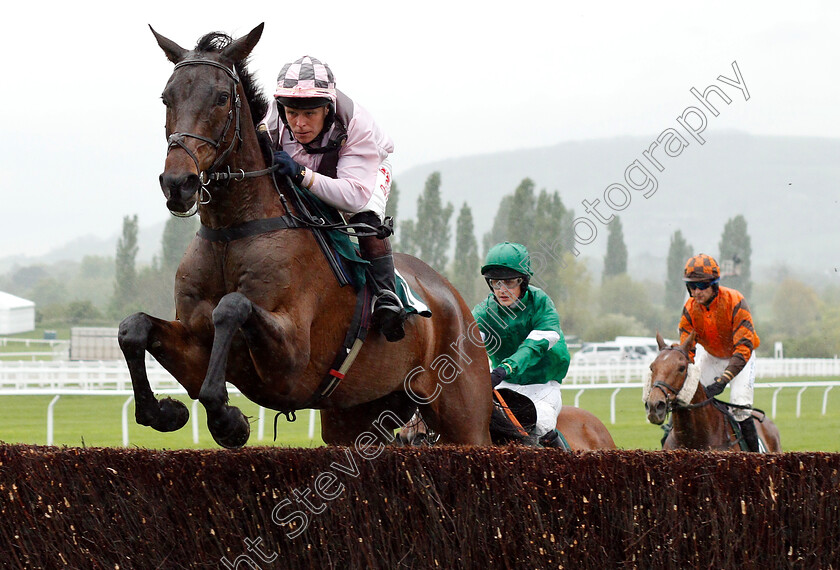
pixel 698 423
pixel 264 310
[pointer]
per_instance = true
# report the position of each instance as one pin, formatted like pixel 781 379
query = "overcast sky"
pixel 82 129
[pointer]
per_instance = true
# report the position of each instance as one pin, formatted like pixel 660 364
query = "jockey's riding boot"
pixel 388 311
pixel 750 434
pixel 552 439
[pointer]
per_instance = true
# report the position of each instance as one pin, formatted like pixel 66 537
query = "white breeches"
pixel 547 398
pixel 381 191
pixel 740 387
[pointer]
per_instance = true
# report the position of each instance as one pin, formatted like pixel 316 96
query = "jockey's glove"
pixel 715 388
pixel 498 374
pixel 288 166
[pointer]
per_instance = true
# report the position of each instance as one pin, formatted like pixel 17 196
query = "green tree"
pixel 82 312
pixel 465 270
pixel 392 207
pixel 48 291
pixel 615 261
pixel 405 242
pixel 619 294
pixel 93 281
pixel 549 245
pixel 796 308
pixel 607 327
pixel 678 253
pixel 156 291
pixel 432 233
pixel 499 232
pixel 125 281
pixel 521 214
pixel 177 235
pixel 735 245
pixel 24 278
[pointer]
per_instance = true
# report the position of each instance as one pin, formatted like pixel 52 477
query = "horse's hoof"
pixel 171 415
pixel 229 427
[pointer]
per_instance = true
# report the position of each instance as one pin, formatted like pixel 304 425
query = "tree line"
pixel 102 290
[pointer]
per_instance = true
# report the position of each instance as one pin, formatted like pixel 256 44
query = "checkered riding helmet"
pixel 701 267
pixel 306 84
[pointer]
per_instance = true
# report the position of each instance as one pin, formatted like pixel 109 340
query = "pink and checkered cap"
pixel 306 77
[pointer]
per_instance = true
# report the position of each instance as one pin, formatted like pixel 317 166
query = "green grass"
pixel 810 432
pixel 96 421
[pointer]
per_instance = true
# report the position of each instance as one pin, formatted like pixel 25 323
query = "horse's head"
pixel 669 372
pixel 203 107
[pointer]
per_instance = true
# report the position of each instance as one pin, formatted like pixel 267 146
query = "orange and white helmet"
pixel 701 267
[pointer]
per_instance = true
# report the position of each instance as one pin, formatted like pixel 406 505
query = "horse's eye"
pixel 164 101
pixel 682 368
pixel 223 98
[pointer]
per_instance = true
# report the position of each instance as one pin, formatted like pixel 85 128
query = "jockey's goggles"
pixel 701 285
pixel 504 283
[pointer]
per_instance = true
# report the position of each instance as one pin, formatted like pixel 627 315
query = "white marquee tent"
pixel 16 314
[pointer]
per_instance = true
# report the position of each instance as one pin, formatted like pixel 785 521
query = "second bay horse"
pixel 698 423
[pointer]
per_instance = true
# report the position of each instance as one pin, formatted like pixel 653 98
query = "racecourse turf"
pixel 96 421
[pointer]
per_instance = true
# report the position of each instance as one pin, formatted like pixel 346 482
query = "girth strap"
pixel 353 340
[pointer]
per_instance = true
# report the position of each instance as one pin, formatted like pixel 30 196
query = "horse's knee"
pixel 133 334
pixel 232 308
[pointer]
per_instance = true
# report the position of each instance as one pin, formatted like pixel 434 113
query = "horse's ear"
pixel 173 51
pixel 660 341
pixel 241 48
pixel 688 341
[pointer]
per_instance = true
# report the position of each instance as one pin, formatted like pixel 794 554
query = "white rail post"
pixel 50 419
pixel 775 393
pixel 799 400
pixel 125 421
pixel 194 421
pixel 825 398
pixel 261 424
pixel 311 425
pixel 577 397
pixel 612 405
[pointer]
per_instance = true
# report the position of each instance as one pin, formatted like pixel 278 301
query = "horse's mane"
pixel 215 42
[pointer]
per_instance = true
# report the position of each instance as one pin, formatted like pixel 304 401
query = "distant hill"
pixel 787 188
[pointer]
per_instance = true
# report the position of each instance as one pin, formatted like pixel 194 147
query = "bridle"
pixel 176 140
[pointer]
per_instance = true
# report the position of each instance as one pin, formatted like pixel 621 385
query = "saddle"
pixel 724 408
pixel 514 418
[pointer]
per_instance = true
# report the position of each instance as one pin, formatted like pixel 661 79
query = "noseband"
pixel 671 400
pixel 177 139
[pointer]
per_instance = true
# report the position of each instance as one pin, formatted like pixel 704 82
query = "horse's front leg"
pixel 169 343
pixel 227 424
